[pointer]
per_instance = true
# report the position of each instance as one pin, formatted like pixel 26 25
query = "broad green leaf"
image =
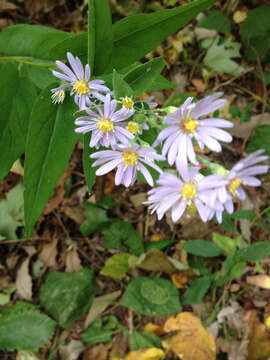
pixel 67 296
pixel 152 297
pixel 219 56
pixel 259 139
pixel 89 171
pixel 162 244
pixel 244 214
pixel 101 331
pixel 197 290
pixel 50 142
pixel 100 35
pixel 120 87
pixel 96 219
pixel 255 33
pixel 255 252
pixel 225 243
pixel 16 103
pixel 121 234
pixel 42 77
pixel 138 35
pixel 143 340
pixel 142 78
pixel 202 248
pixel 118 265
pixel 76 44
pixel 237 270
pixel 24 327
pixel 214 20
pixel 30 40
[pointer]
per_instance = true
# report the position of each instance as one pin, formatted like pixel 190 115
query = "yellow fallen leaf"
pixel 155 237
pixel 192 342
pixel 267 322
pixel 150 328
pixel 239 16
pixel 146 354
pixel 179 280
pixel 262 281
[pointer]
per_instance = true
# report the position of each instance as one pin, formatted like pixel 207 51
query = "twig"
pixel 228 82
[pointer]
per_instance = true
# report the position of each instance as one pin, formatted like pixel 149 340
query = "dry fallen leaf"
pixel 99 305
pixel 259 344
pixel 98 352
pixel 262 281
pixel 24 281
pixel 179 280
pixel 155 260
pixel 192 342
pixel 199 85
pixel 72 350
pixel 48 253
pixel 146 354
pixel 243 130
pixel 73 261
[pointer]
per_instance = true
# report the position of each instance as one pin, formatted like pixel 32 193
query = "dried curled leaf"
pixel 192 342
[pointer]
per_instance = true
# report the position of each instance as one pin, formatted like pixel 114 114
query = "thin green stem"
pixel 23 61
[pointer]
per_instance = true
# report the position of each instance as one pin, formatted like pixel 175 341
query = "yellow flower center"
pixel 105 125
pixel 133 127
pixel 235 183
pixel 127 102
pixel 130 157
pixel 189 191
pixel 189 125
pixel 81 87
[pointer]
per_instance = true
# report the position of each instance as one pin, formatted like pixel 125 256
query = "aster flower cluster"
pixel 113 125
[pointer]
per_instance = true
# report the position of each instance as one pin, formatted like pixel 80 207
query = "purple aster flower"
pixel 104 124
pixel 242 173
pixel 127 160
pixel 178 194
pixel 186 125
pixel 79 79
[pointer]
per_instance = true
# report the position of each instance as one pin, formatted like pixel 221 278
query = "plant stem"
pixel 22 61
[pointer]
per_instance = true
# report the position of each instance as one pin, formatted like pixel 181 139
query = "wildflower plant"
pixel 89 87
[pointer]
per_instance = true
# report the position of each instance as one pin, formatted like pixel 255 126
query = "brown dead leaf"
pixel 24 281
pixel 99 305
pixel 199 85
pixel 259 344
pixel 243 130
pixel 156 260
pixel 73 261
pixel 48 253
pixel 98 352
pixel 72 350
pixel 179 280
pixel 262 281
pixel 146 354
pixel 192 342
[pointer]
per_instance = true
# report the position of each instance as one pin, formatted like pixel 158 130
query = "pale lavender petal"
pixel 66 70
pixel 108 167
pixel 61 76
pixel 216 123
pixel 119 174
pixel 146 174
pixel 178 210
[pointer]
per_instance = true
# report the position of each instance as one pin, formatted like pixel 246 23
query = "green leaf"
pixel 142 77
pixel 218 56
pixel 30 40
pixel 143 340
pixel 237 270
pixel 197 290
pixel 121 234
pixel 50 142
pixel 89 171
pixel 40 76
pixel 227 244
pixel 255 33
pixel 162 244
pixel 202 248
pixel 135 36
pixel 100 35
pixel 23 327
pixel 260 138
pixel 118 265
pixel 120 87
pixel 214 20
pixel 244 214
pixel 152 297
pixel 255 252
pixel 101 331
pixel 16 103
pixel 96 219
pixel 67 296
